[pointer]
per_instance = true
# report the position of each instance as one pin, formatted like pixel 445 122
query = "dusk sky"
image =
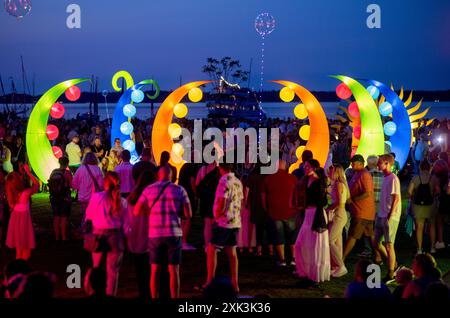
pixel 166 39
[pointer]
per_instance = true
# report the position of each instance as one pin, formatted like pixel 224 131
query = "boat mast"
pixel 249 73
pixel 5 101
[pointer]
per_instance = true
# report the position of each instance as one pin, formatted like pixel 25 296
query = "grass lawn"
pixel 258 275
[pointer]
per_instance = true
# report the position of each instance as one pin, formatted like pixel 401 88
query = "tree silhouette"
pixel 227 68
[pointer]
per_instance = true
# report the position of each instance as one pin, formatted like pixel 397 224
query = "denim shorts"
pixel 284 231
pixel 223 237
pixel 165 249
pixel 385 231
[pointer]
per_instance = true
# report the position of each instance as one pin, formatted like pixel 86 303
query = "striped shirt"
pixel 164 217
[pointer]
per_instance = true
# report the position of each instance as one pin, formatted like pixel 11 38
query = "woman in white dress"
pixel 312 248
pixel 5 155
pixel 337 216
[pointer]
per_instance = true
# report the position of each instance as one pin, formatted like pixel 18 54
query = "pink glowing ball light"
pixel 343 92
pixel 353 110
pixel 73 93
pixel 57 152
pixel 57 111
pixel 52 132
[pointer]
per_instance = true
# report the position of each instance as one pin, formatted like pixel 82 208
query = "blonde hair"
pixel 338 175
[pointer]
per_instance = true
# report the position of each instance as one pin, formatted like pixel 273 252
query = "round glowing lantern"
pixel 126 128
pixel 300 111
pixel 174 130
pixel 195 94
pixel 343 92
pixel 129 145
pixel 129 110
pixel 299 151
pixel 57 110
pixel 353 109
pixel 373 91
pixel 287 94
pixel 177 150
pixel 52 132
pixel 180 110
pixel 137 96
pixel 390 128
pixel 357 132
pixel 57 152
pixel 73 93
pixel 304 132
pixel 385 109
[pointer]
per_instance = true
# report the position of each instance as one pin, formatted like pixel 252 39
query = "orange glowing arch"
pixel 319 139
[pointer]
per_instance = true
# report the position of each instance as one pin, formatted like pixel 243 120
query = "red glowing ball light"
pixel 357 132
pixel 353 110
pixel 343 92
pixel 73 93
pixel 52 132
pixel 57 111
pixel 57 152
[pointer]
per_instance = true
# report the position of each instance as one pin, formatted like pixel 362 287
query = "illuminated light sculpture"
pixel 390 128
pixel 129 110
pixel 195 94
pixel 319 137
pixel 373 91
pixel 299 151
pixel 180 110
pixel 52 132
pixel 174 130
pixel 385 109
pixel 304 132
pixel 40 153
pixel 161 139
pixel 121 126
pixel 73 93
pixel 287 94
pixel 343 91
pixel 399 129
pixel 57 111
pixel 353 109
pixel 57 152
pixel 300 111
pixel 372 136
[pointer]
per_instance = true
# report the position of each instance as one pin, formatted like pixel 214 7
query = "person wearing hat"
pixel 361 203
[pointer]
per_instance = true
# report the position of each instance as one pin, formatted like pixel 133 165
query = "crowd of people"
pixel 310 219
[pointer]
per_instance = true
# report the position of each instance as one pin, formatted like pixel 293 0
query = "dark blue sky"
pixel 169 38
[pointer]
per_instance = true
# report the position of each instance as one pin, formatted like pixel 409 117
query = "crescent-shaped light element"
pixel 161 140
pixel 401 140
pixel 119 117
pixel 126 76
pixel 157 90
pixel 371 141
pixel 39 150
pixel 319 140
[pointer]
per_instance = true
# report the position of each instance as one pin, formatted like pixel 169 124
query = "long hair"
pixel 339 175
pixel 145 179
pixel 111 185
pixel 14 187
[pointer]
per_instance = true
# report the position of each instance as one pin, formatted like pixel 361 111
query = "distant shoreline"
pixel 265 96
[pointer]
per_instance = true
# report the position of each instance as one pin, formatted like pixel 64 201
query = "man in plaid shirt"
pixel 165 203
pixel 377 178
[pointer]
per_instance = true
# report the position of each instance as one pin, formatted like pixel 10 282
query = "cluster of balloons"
pixel 18 8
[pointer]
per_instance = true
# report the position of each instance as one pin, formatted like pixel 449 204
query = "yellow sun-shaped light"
pixel 195 94
pixel 299 151
pixel 180 110
pixel 287 94
pixel 300 111
pixel 304 132
pixel 174 130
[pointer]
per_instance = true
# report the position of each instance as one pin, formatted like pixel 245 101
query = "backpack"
pixel 423 194
pixel 57 184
